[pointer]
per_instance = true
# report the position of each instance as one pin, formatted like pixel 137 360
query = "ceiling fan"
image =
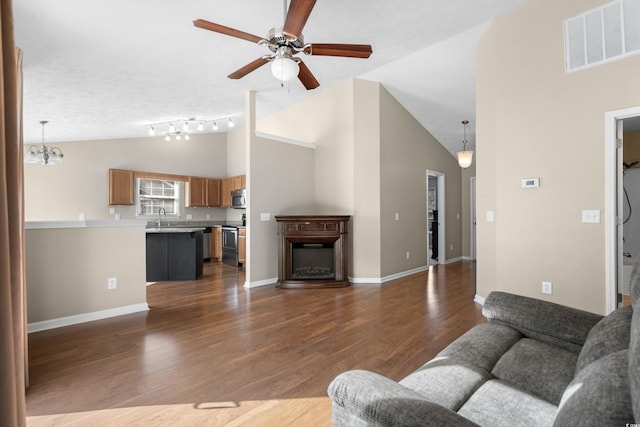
pixel 287 41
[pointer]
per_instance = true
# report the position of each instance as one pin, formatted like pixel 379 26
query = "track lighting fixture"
pixel 186 127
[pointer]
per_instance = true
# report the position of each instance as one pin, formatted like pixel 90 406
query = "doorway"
pixel 622 141
pixel 436 242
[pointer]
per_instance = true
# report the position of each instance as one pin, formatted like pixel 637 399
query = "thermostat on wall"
pixel 530 182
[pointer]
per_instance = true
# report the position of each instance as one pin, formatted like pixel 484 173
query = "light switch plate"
pixel 265 216
pixel 490 216
pixel 590 216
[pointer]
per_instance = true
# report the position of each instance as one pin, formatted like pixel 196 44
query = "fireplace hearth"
pixel 312 251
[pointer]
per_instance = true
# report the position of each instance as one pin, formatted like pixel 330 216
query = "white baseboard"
pixel 478 299
pixel 452 260
pixel 86 317
pixel 385 279
pixel 265 282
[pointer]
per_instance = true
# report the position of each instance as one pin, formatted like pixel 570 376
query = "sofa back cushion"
pixel 598 395
pixel 609 335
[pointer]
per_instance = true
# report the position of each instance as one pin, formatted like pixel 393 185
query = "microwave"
pixel 239 199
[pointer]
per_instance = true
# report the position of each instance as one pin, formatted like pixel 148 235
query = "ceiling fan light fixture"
pixel 284 68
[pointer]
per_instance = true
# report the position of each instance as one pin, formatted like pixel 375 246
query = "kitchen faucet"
pixel 161 211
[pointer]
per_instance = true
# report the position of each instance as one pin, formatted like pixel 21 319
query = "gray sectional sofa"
pixel 533 363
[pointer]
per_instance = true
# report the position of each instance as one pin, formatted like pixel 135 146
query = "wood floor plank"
pixel 210 352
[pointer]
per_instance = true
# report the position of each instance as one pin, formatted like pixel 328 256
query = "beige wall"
pixel 79 184
pixel 534 120
pixel 68 268
pixel 407 152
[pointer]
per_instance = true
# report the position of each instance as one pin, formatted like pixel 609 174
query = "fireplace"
pixel 312 251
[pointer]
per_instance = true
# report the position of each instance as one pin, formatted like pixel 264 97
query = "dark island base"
pixel 312 284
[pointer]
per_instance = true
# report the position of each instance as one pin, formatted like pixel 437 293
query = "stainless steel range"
pixel 230 246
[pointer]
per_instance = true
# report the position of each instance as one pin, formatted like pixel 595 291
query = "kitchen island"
pixel 174 253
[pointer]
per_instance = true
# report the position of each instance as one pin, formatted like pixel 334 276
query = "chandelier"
pixel 180 129
pixel 43 154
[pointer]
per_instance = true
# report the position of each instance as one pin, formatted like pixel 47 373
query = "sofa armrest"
pixel 556 324
pixel 380 401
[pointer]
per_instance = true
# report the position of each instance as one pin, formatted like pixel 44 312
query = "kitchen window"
pixel 154 194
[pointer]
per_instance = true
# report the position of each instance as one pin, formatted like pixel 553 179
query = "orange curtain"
pixel 12 277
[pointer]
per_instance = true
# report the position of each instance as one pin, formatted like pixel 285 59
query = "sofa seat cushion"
pixel 599 394
pixel 609 335
pixel 447 382
pixel 483 345
pixel 497 404
pixel 537 368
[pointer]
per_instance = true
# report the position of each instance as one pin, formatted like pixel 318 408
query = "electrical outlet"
pixel 451 247
pixel 265 216
pixel 547 288
pixel 408 255
pixel 189 216
pixel 112 211
pixel 112 282
pixel 397 216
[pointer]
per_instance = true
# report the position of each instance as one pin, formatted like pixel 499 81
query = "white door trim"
pixel 472 216
pixel 611 199
pixel 442 244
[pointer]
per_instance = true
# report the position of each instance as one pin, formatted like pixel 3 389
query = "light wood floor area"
pixel 210 353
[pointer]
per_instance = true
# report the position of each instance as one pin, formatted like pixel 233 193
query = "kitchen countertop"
pixel 192 224
pixel 173 229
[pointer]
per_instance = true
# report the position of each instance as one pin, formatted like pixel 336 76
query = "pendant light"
pixel 465 157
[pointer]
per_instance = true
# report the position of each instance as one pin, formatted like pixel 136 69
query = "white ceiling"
pixel 102 69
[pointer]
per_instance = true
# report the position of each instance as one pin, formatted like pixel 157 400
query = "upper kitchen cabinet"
pixel 120 187
pixel 239 182
pixel 213 192
pixel 226 186
pixel 195 192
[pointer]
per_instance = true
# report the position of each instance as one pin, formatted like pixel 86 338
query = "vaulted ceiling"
pixel 103 69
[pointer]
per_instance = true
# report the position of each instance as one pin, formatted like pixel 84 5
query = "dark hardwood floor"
pixel 210 352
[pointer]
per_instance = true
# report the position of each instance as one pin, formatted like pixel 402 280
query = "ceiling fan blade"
pixel 299 11
pixel 207 25
pixel 306 77
pixel 338 49
pixel 251 66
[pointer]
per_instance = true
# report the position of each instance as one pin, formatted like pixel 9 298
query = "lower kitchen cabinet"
pixel 242 245
pixel 216 238
pixel 174 256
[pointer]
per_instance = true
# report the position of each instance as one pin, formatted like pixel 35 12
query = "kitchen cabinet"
pixel 212 192
pixel 195 192
pixel 216 240
pixel 226 186
pixel 121 187
pixel 174 255
pixel 242 245
pixel 239 182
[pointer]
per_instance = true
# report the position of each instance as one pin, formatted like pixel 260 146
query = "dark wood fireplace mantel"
pixel 313 251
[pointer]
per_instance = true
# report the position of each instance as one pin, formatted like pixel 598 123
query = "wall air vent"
pixel 603 34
